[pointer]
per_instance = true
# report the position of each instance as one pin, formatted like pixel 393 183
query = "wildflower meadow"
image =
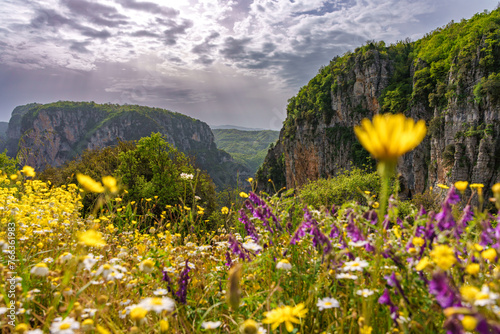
pixel 270 264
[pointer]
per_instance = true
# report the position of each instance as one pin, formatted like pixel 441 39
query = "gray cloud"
pixel 144 33
pixel 80 47
pixel 149 7
pixel 95 13
pixel 175 29
pixel 207 45
pixel 50 18
pixel 205 60
pixel 234 49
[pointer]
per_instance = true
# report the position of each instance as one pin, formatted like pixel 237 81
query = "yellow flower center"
pixel 64 326
pixel 156 301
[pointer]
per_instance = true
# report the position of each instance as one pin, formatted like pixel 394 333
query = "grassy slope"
pixel 246 147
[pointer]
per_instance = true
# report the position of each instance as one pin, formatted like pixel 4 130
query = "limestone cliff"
pixel 51 134
pixel 450 78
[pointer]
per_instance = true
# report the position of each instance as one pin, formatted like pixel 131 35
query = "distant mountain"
pixel 51 134
pixel 235 127
pixel 3 129
pixel 246 147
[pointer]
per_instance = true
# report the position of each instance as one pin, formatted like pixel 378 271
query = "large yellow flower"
pixel 285 314
pixel 89 184
pixel 443 256
pixel 92 238
pixel 28 171
pixel 390 136
pixel 110 183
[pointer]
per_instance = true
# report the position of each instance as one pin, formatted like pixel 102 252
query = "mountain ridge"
pixel 50 134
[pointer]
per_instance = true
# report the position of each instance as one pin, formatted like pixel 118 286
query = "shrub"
pixel 7 164
pixel 153 170
pixel 347 186
pixel 429 200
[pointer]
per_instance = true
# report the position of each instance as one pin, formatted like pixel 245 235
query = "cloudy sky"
pixel 221 61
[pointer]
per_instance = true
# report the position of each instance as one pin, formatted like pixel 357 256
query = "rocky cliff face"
pixel 454 92
pixel 49 135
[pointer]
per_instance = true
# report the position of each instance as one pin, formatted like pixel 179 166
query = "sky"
pixel 221 61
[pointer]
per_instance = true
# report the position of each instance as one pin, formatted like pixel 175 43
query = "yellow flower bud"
pixel 469 323
pixel 472 269
pixel 489 254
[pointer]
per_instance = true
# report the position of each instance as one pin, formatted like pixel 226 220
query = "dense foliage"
pixel 348 186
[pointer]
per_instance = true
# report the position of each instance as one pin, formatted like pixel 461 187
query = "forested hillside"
pixel 246 147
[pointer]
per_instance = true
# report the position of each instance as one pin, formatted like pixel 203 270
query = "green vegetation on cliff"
pixel 246 147
pixel 428 71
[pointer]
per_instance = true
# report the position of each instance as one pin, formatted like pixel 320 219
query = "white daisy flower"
pixel 88 262
pixel 211 324
pixel 65 257
pixel 252 246
pixel 88 312
pixel 327 303
pixel 485 297
pixel 66 326
pixel 364 292
pixel 346 276
pixel 186 176
pixel 356 265
pixel 360 243
pixel 40 269
pixel 35 331
pixel 157 304
pixel 284 265
pixel 160 292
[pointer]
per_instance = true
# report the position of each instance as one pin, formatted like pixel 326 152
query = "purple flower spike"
pixel 264 212
pixel 385 299
pixel 333 211
pixel 452 198
pixel 234 245
pixel 229 262
pixel 444 293
pixel 353 231
pixel 249 226
pixel 445 219
pixel 334 233
pixel 183 283
pixel 167 279
pixel 487 233
pixel 310 226
pixel 422 211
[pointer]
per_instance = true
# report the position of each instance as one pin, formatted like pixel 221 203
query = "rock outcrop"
pixel 450 78
pixel 51 134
